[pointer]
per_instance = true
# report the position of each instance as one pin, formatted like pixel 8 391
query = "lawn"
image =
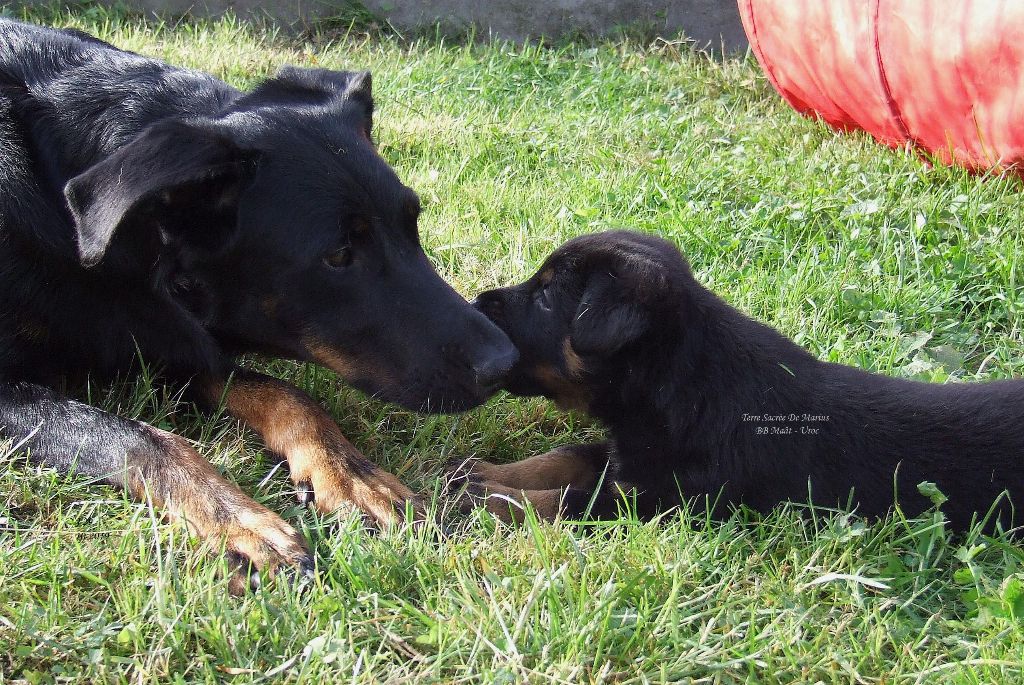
pixel 863 255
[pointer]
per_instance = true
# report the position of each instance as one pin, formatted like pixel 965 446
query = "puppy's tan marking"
pixel 573 363
pixel 558 468
pixel 318 455
pixel 567 393
pixel 508 504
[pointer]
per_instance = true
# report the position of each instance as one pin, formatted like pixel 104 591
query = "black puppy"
pixel 699 399
pixel 154 212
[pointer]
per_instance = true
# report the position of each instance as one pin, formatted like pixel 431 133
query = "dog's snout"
pixel 491 371
pixel 501 357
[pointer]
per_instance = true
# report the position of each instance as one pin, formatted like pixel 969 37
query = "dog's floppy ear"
pixel 616 306
pixel 182 178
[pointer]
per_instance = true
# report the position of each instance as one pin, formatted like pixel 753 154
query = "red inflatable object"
pixel 943 75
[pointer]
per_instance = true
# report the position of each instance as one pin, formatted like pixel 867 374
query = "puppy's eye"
pixel 340 258
pixel 543 297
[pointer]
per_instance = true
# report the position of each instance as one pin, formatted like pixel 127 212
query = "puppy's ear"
pixel 617 306
pixel 606 319
pixel 347 93
pixel 180 179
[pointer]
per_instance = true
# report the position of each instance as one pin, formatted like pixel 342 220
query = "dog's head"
pixel 593 301
pixel 282 230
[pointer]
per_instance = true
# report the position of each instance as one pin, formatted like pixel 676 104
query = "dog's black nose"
pixel 491 371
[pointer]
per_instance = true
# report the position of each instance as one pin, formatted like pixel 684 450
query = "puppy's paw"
pixel 459 471
pixel 509 504
pixel 464 484
pixel 467 493
pixel 462 470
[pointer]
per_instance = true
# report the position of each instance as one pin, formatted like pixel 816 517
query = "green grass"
pixel 863 255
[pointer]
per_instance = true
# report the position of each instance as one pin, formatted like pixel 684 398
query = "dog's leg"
pixel 509 503
pixel 154 466
pixel 579 466
pixel 570 481
pixel 327 470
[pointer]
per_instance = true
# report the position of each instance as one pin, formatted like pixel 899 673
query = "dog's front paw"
pixel 383 500
pixel 260 546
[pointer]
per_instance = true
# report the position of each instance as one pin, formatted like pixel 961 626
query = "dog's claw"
pixel 260 552
pixel 304 493
pixel 245 577
pixel 300 575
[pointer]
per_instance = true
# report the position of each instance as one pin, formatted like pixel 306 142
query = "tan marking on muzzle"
pixel 335 360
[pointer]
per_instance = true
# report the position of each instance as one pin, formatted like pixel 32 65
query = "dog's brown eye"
pixel 339 259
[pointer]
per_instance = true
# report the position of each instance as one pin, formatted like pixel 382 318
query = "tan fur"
pixel 567 394
pixel 187 488
pixel 318 455
pixel 324 355
pixel 508 503
pixel 572 360
pixel 558 468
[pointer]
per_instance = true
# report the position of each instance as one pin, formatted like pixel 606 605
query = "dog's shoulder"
pixel 30 53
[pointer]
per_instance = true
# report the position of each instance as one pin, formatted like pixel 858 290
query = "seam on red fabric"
pixel 756 44
pixel 894 109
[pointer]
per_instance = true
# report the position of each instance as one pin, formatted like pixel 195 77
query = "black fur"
pixel 698 398
pixel 156 212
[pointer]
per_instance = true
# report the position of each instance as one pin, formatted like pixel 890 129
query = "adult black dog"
pixel 701 400
pixel 154 212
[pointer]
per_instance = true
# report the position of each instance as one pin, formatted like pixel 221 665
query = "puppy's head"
pixel 593 304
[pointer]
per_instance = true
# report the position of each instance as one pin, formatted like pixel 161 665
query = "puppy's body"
pixel 698 398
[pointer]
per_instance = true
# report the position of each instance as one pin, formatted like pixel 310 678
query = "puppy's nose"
pixel 490 372
pixel 490 303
